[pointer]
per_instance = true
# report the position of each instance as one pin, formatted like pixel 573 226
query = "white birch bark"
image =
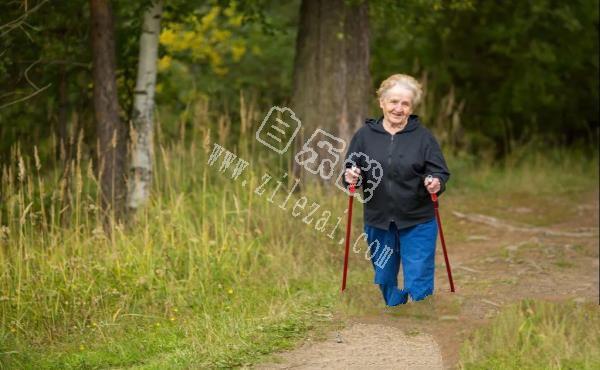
pixel 143 106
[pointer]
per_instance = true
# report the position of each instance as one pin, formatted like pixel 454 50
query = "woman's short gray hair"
pixel 405 81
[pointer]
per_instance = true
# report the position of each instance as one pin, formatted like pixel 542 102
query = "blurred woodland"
pixel 498 75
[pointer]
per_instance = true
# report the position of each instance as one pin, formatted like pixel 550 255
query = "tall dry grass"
pixel 208 261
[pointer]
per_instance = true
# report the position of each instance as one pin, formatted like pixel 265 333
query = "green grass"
pixel 214 339
pixel 537 335
pixel 210 274
pixel 537 188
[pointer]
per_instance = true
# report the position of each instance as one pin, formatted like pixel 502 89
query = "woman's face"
pixel 396 105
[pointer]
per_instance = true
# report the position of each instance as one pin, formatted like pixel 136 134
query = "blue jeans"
pixel 414 247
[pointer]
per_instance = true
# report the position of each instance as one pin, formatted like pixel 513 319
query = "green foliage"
pixel 521 68
pixel 49 40
pixel 220 50
pixel 52 45
pixel 209 38
pixel 496 74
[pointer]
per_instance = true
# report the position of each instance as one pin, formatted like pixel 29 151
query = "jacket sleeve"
pixel 435 164
pixel 355 147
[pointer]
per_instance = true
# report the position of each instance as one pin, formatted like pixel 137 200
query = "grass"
pixel 224 340
pixel 211 273
pixel 537 335
pixel 536 188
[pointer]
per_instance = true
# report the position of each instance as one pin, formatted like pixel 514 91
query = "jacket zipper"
pixel 390 151
pixel 389 185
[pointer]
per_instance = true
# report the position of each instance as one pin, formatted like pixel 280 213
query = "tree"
pixel 141 155
pixel 331 70
pixel 112 145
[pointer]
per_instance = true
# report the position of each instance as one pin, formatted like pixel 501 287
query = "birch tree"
pixel 141 135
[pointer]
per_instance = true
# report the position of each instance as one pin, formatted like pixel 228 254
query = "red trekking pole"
pixel 348 227
pixel 434 199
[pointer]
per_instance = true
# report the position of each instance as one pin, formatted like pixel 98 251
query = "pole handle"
pixel 428 179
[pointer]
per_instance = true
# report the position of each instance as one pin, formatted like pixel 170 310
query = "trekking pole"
pixel 338 335
pixel 434 199
pixel 348 227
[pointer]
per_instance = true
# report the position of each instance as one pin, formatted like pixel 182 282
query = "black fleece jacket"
pixel 406 158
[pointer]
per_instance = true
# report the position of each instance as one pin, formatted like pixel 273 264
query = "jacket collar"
pixel 376 124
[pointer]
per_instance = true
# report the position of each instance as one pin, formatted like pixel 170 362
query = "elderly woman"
pixel 400 213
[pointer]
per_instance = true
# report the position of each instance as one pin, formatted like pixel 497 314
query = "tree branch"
pixel 26 97
pixel 16 23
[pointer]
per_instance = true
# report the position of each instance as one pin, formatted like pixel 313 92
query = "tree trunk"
pixel 332 85
pixel 112 145
pixel 142 151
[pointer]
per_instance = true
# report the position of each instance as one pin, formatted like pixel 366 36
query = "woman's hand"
pixel 351 175
pixel 432 184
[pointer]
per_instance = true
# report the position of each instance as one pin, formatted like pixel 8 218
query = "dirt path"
pixel 361 346
pixel 494 264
